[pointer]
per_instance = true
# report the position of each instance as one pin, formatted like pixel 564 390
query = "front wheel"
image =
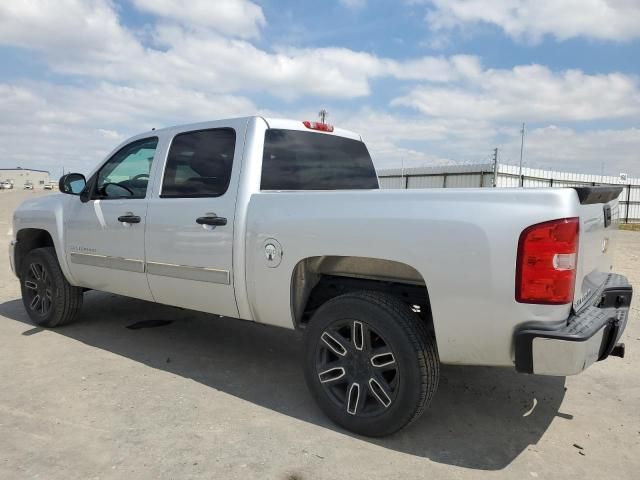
pixel 49 299
pixel 370 362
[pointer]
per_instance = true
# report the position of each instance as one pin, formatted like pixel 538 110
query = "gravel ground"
pixel 209 397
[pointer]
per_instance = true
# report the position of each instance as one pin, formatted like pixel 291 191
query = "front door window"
pixel 126 174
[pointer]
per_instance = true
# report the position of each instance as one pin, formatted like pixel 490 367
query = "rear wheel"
pixel 370 362
pixel 49 299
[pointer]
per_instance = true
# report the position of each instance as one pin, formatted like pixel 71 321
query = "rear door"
pixel 189 239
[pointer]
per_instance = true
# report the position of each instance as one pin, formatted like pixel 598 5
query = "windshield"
pixel 298 160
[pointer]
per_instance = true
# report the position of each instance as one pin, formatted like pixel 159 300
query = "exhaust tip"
pixel 618 350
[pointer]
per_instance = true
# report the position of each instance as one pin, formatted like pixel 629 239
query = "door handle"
pixel 212 220
pixel 129 218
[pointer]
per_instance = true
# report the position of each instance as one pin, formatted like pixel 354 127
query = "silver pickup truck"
pixel 281 222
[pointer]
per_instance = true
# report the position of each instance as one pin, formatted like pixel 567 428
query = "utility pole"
pixel 323 114
pixel 521 152
pixel 495 167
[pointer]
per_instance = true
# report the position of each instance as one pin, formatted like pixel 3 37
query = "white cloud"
pixel 589 151
pixel 66 30
pixel 50 126
pixel 199 58
pixel 354 4
pixel 531 20
pixel 188 70
pixel 394 138
pixel 397 139
pixel 434 69
pixel 530 92
pixel 240 18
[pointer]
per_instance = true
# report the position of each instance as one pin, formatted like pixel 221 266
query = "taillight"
pixel 546 265
pixel 323 127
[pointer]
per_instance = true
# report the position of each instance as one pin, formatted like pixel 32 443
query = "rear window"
pixel 298 160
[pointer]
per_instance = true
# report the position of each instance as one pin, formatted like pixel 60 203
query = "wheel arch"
pixel 28 239
pixel 317 279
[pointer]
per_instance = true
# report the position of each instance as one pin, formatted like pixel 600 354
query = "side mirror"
pixel 72 183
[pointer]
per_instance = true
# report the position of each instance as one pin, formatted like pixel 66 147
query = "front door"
pixel 190 225
pixel 105 236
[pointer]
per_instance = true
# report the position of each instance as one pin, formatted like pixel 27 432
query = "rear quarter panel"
pixel 462 241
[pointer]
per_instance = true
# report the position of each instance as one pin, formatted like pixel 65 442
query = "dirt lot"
pixel 208 397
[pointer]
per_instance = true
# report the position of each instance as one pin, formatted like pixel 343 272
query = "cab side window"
pixel 199 164
pixel 126 174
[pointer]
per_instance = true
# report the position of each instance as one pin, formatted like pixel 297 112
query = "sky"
pixel 423 81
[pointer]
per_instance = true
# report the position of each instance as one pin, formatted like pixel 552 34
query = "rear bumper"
pixel 585 338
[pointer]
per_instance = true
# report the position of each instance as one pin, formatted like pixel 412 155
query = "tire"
pixel 50 301
pixel 371 344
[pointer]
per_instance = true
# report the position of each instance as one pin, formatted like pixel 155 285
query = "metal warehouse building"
pixel 502 175
pixel 20 176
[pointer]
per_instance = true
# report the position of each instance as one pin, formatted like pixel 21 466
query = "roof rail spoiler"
pixel 590 195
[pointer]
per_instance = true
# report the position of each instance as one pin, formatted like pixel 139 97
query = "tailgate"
pixel 599 218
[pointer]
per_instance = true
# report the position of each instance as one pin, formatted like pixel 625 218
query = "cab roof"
pixel 279 123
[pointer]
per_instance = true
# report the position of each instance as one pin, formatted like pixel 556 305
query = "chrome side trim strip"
pixel 201 274
pixel 104 261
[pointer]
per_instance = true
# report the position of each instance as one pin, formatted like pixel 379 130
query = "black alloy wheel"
pixel 49 299
pixel 371 363
pixel 38 289
pixel 357 368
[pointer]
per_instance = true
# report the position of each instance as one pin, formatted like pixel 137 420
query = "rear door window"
pixel 199 164
pixel 299 160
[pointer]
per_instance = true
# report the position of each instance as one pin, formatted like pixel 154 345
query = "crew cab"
pixel 281 222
